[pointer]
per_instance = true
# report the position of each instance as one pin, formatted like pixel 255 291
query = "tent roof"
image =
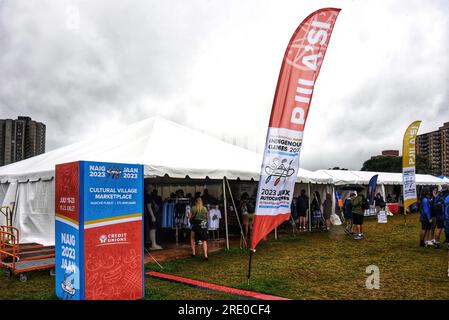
pixel 444 179
pixel 341 177
pixel 162 146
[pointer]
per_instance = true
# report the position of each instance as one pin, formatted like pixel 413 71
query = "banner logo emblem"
pixel 279 170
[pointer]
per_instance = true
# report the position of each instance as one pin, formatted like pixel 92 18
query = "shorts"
pixel 201 234
pixel 440 223
pixel 357 219
pixel 426 225
pixel 302 213
pixel 248 218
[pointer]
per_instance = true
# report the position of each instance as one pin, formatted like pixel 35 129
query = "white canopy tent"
pixel 385 181
pixel 162 146
pixel 444 179
pixel 341 177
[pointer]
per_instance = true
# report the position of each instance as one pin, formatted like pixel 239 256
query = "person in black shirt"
pixel 379 201
pixel 150 211
pixel 302 206
pixel 358 218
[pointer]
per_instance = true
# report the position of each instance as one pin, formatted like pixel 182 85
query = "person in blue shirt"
pixel 426 219
pixel 437 209
pixel 445 196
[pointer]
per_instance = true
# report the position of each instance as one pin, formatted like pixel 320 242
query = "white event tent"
pixel 341 177
pixel 385 180
pixel 162 146
pixel 444 179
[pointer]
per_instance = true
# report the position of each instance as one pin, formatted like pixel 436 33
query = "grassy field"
pixel 321 265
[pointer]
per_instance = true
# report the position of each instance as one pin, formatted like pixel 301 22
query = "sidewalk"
pixel 173 251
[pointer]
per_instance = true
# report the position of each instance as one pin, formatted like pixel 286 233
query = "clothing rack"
pixel 178 200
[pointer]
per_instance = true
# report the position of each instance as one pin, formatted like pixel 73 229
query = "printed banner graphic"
pixel 409 164
pixel 300 68
pixel 99 231
pixel 67 238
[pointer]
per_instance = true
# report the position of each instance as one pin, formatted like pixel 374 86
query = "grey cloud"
pixel 213 65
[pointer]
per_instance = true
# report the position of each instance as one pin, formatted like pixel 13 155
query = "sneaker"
pixel 357 237
pixel 428 244
pixel 437 245
pixel 206 259
pixel 193 255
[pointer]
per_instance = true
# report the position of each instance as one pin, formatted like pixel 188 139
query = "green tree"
pixel 394 164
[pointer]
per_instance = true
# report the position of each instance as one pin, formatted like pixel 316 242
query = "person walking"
pixel 302 206
pixel 198 220
pixel 426 219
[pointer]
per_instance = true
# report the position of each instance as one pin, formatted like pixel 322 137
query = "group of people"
pixel 434 216
pixel 320 211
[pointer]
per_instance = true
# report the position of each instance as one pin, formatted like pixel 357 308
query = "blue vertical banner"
pixel 372 189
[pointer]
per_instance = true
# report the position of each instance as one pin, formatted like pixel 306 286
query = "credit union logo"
pixel 113 238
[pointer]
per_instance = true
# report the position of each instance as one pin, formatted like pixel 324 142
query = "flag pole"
pixel 249 264
pixel 226 214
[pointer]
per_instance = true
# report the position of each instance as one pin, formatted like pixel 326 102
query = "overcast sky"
pixel 86 67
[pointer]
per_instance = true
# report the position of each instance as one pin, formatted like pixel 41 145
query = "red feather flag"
pixel 300 68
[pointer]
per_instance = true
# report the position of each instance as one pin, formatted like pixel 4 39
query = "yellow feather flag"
pixel 409 164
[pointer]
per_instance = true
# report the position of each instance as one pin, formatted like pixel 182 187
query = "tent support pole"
pixel 309 213
pixel 236 213
pixel 293 224
pixel 225 214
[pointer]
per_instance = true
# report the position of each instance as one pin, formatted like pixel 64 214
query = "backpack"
pixel 438 206
pixel 365 204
